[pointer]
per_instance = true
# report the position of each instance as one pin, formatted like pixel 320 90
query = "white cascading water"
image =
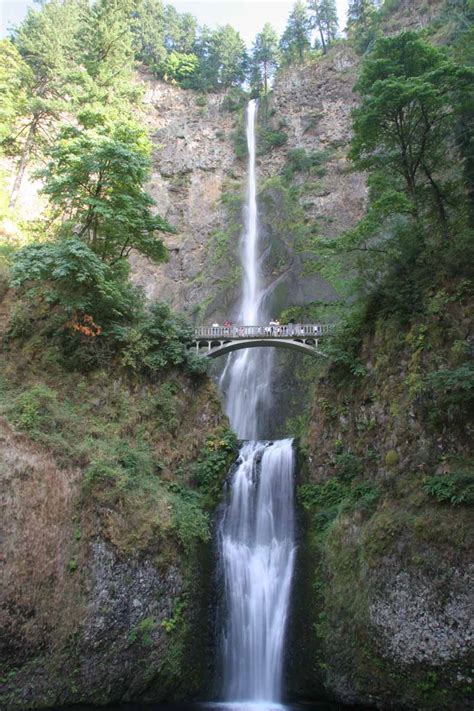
pixel 247 375
pixel 257 529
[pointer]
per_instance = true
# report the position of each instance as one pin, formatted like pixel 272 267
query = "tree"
pixel 180 30
pixel 410 105
pixel 323 17
pixel 229 56
pixel 95 180
pixel 14 77
pixel 180 67
pixel 265 57
pixel 47 42
pixel 361 20
pixel 222 58
pixel 295 40
pixel 149 32
pixel 107 44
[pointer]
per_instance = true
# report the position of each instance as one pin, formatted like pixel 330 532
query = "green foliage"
pixel 455 489
pixel 222 59
pixel 165 339
pixel 295 40
pixel 348 466
pixel 449 393
pixel 323 17
pixel 343 492
pixel 298 160
pixel 34 410
pixel 409 99
pixel 180 67
pixel 13 80
pixel 190 522
pixel 76 54
pixel 235 99
pixel 265 58
pixel 362 23
pixel 69 273
pixel 415 233
pixel 95 176
pixel 142 633
pixel 93 312
pixel 213 464
pixel 269 138
pixel 392 458
pixel 171 623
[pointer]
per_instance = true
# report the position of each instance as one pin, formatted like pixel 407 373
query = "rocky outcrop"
pixel 198 184
pixel 107 584
pixel 384 607
pixel 193 157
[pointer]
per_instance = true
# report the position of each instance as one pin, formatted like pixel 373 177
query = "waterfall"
pixel 257 530
pixel 248 375
pixel 258 549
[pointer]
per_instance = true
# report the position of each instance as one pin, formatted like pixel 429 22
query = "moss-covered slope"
pixel 384 597
pixel 109 481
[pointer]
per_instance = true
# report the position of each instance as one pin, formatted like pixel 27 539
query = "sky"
pixel 247 16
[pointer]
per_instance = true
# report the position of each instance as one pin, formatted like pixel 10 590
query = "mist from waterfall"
pixel 257 529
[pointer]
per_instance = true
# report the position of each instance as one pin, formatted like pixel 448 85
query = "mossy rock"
pixel 392 458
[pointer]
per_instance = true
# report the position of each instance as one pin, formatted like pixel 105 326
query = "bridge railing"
pixel 267 331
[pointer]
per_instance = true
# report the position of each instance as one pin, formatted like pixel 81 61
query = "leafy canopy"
pixel 95 179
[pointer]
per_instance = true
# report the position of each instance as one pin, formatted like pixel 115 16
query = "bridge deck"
pixel 213 341
pixel 291 331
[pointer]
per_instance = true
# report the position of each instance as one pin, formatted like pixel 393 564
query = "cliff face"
pixel 193 161
pixel 199 185
pixel 384 600
pixel 107 560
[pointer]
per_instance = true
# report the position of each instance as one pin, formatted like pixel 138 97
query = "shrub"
pixel 299 161
pixel 34 410
pixel 451 391
pixel 392 458
pixel 325 495
pixel 268 139
pixel 213 464
pixel 348 466
pixel 235 99
pixel 190 522
pixel 456 488
pixel 142 632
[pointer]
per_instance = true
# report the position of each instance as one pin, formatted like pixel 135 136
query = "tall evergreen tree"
pixel 295 41
pixel 14 79
pixel 222 58
pixel 48 42
pixel 265 57
pixel 361 20
pixel 323 16
pixel 180 30
pixel 108 43
pixel 149 31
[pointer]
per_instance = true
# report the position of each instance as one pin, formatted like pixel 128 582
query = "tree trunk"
pixel 25 157
pixel 323 43
pixel 438 196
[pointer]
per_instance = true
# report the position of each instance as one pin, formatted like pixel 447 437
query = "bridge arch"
pixel 213 350
pixel 215 341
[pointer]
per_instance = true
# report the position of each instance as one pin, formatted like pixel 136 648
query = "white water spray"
pixel 257 530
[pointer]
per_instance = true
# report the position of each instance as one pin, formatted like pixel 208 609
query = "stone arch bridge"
pixel 214 341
